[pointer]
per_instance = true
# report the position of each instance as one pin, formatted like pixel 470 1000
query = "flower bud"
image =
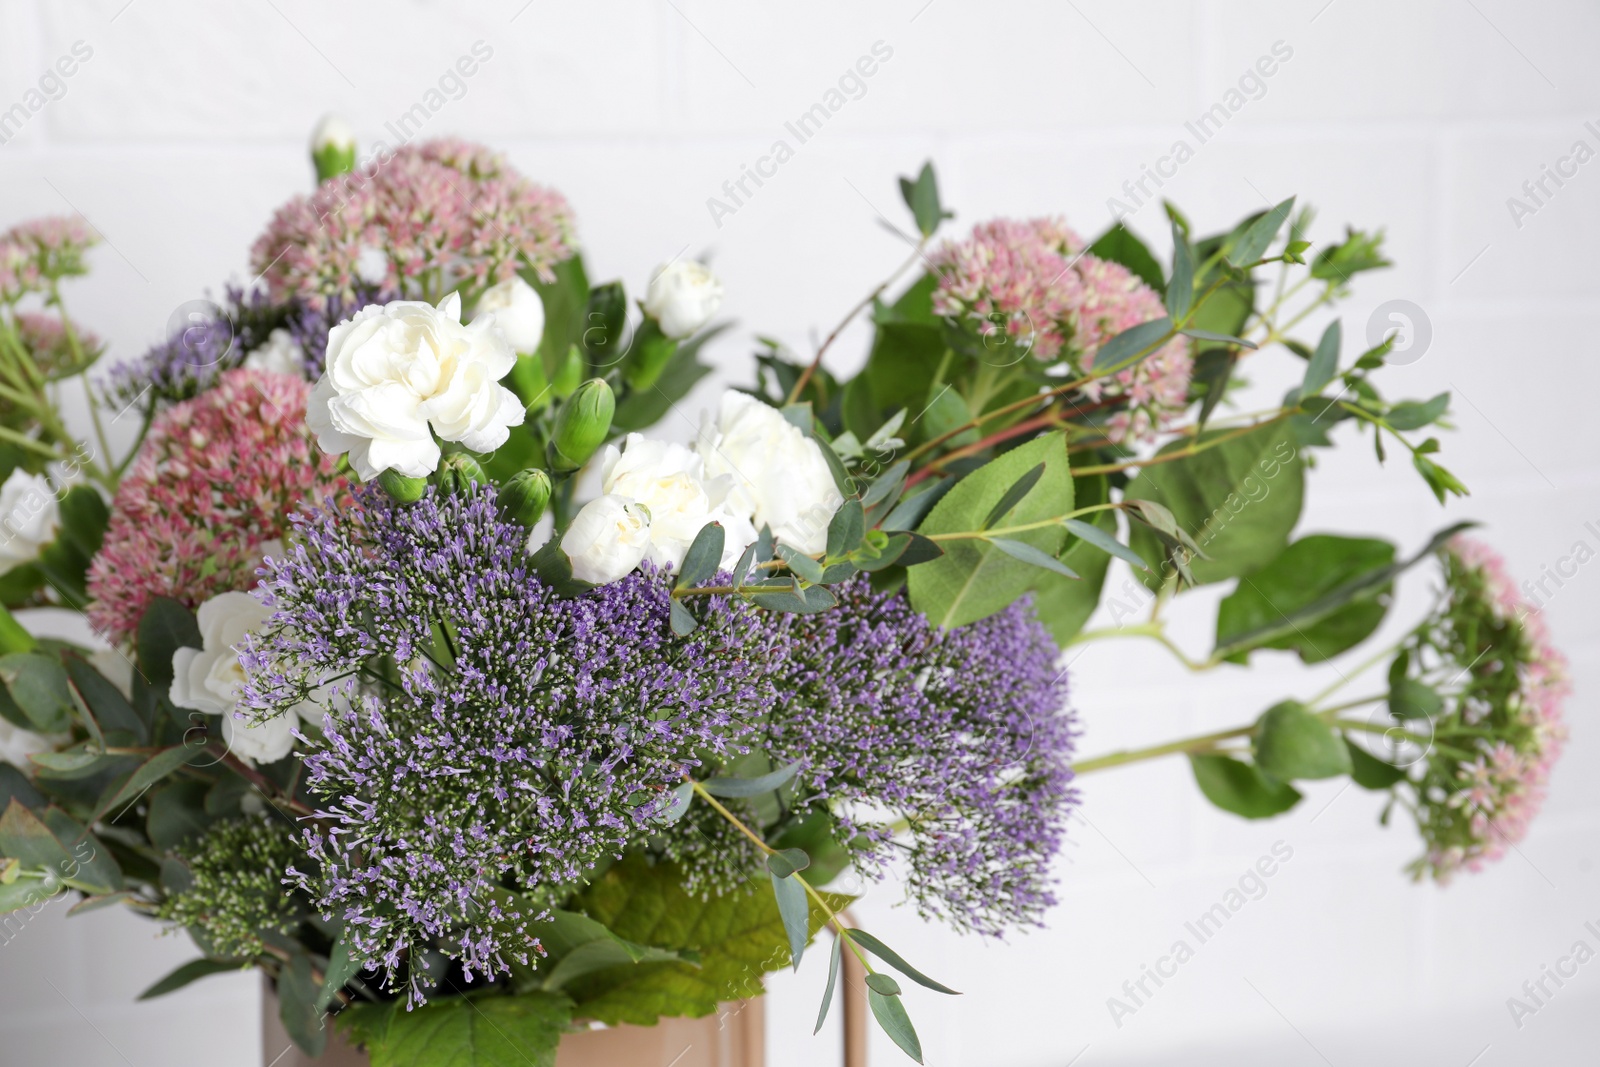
pixel 524 497
pixel 582 425
pixel 333 148
pixel 568 373
pixel 652 351
pixel 517 311
pixel 401 488
pixel 459 473
pixel 682 297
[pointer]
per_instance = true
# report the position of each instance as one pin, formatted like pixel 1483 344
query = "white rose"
pixel 397 370
pixel 607 539
pixel 29 518
pixel 281 354
pixel 669 480
pixel 682 297
pixel 780 477
pixel 259 742
pixel 208 679
pixel 517 310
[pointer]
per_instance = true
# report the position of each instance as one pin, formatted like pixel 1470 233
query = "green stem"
pixel 738 824
pixel 816 361
pixel 1187 744
pixel 984 535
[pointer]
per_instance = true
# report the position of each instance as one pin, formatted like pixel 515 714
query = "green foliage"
pixel 922 197
pixel 1317 598
pixel 1238 499
pixel 165 627
pixel 488 1030
pixel 1119 245
pixel 1292 743
pixel 1240 788
pixel 188 973
pixel 974 578
pixel 738 937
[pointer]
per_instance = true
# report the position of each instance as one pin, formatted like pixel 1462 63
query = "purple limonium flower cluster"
pixel 962 734
pixel 189 362
pixel 488 739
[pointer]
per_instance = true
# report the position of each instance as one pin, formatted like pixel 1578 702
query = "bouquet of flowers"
pixel 430 683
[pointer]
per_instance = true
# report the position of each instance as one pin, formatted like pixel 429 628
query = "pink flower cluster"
pixel 417 221
pixel 39 251
pixel 1029 284
pixel 211 491
pixel 45 338
pixel 1501 790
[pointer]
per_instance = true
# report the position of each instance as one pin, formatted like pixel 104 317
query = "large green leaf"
pixel 1119 245
pixel 642 408
pixel 487 1030
pixel 739 937
pixel 1308 600
pixel 1239 500
pixel 1293 743
pixel 1241 788
pixel 974 578
pixel 37 683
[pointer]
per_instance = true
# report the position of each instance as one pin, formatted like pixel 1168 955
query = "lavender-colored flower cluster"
pixel 491 736
pixel 963 734
pixel 189 362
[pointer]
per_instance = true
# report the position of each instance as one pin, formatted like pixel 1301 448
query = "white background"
pixel 187 126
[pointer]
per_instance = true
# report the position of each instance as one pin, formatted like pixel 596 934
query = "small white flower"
pixel 780 477
pixel 209 679
pixel 669 480
pixel 333 132
pixel 29 518
pixel 682 297
pixel 398 374
pixel 608 538
pixel 281 354
pixel 517 310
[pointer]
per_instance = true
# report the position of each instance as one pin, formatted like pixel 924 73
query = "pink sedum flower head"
pixel 209 494
pixel 399 373
pixel 1030 284
pixel 44 250
pixel 419 220
pixel 1493 748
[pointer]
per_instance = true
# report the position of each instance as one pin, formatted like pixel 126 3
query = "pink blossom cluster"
pixel 417 221
pixel 1031 281
pixel 36 252
pixel 210 493
pixel 1502 789
pixel 45 338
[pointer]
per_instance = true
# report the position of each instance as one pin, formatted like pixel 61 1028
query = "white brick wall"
pixel 186 128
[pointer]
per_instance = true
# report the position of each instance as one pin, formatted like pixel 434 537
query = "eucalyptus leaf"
pixel 1324 362
pixel 750 787
pixel 1021 550
pixel 703 557
pixel 188 973
pixel 893 959
pixel 793 908
pixel 891 1015
pixel 833 979
pixel 1259 235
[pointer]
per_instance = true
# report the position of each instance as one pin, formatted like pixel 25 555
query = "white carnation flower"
pixel 779 476
pixel 669 480
pixel 608 538
pixel 400 373
pixel 281 354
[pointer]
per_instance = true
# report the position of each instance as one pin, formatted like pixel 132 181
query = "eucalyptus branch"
pixel 738 824
pixel 1183 453
pixel 1056 520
